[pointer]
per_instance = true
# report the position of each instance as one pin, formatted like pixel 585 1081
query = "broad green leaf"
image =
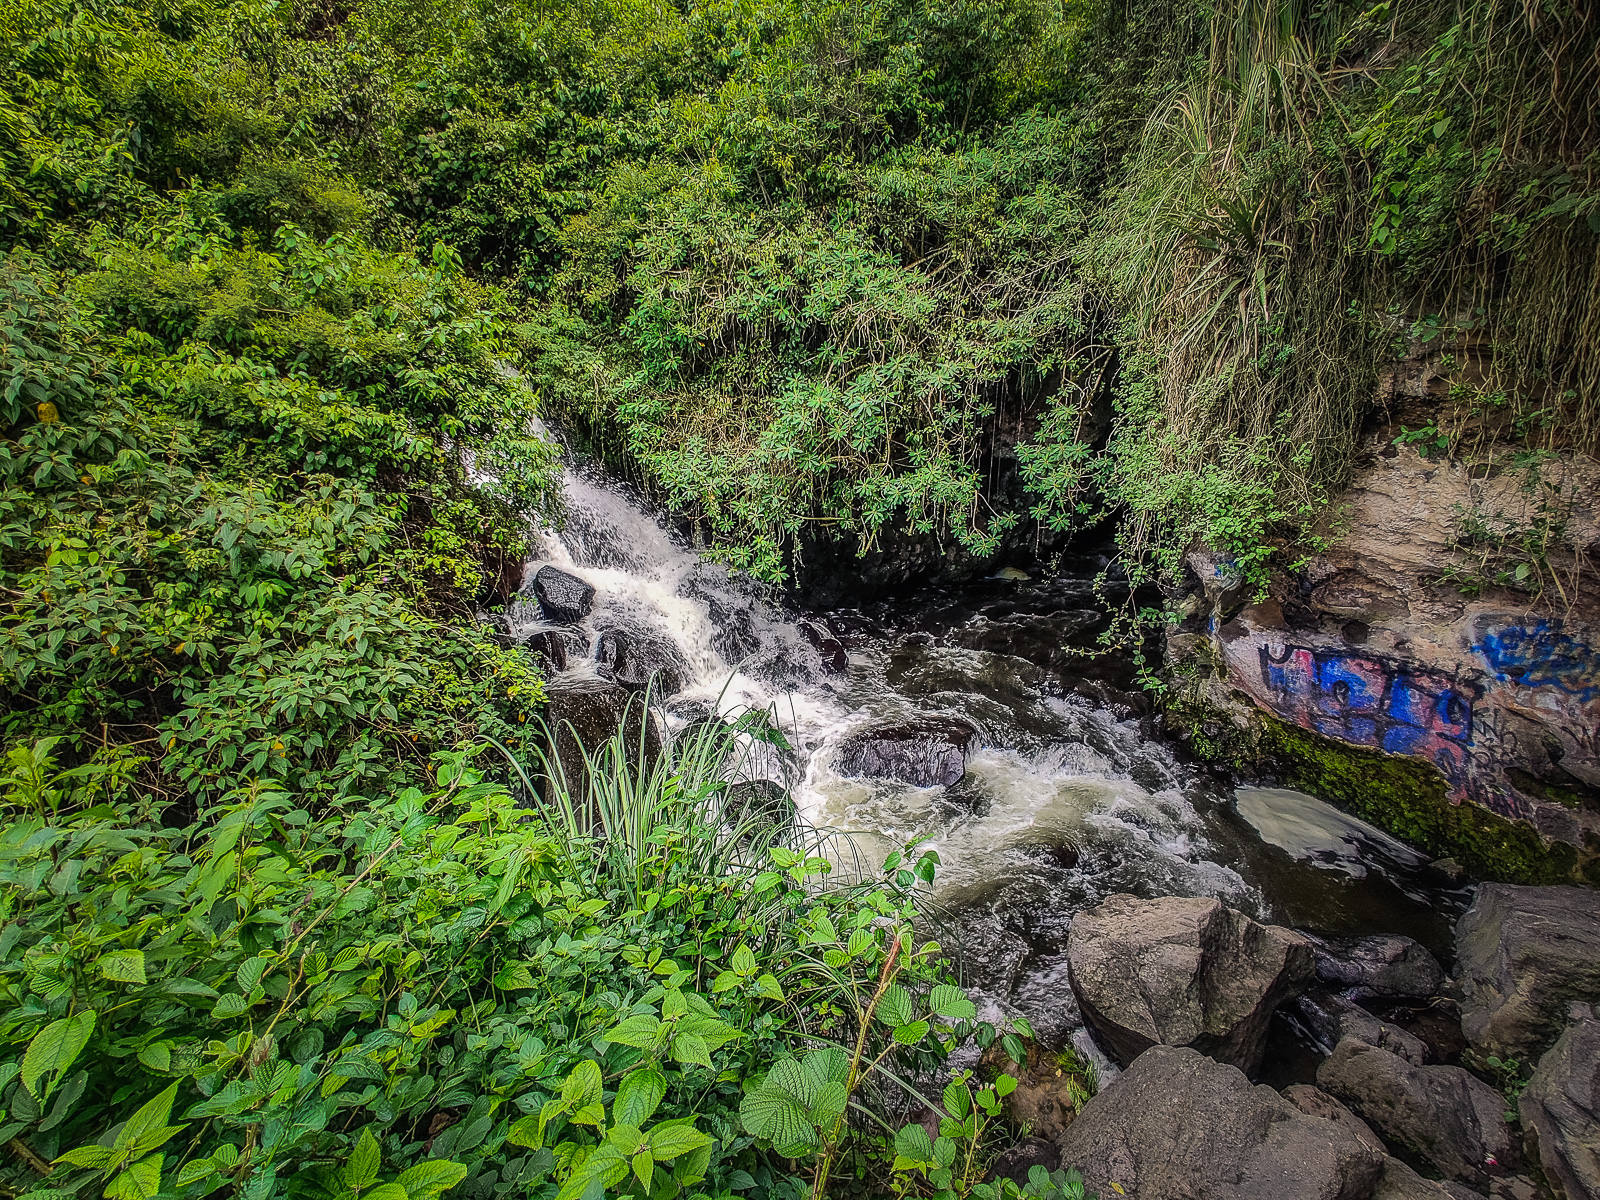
pixel 514 977
pixel 828 1103
pixel 774 1114
pixel 669 1141
pixel 430 1178
pixel 95 1158
pixel 583 1086
pixel 626 1138
pixel 637 1098
pixel 710 1030
pixel 1004 1085
pixel 250 973
pixel 744 962
pixel 55 1048
pixel 605 1168
pixel 637 1031
pixel 780 1108
pixel 157 1056
pixel 364 1162
pixel 767 985
pixel 914 1143
pixel 691 1048
pixel 957 1099
pixel 148 1127
pixel 141 1181
pixel 192 1172
pixel 911 1033
pixel 894 1007
pixel 952 1002
pixel 526 1132
pixel 123 966
pixel 724 982
pixel 387 1191
pixel 1013 1046
pixel 644 1169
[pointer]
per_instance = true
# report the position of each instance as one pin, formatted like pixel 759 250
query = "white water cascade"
pixel 1063 799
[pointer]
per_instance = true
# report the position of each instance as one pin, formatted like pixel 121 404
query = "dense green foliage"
pixel 282 285
pixel 319 1001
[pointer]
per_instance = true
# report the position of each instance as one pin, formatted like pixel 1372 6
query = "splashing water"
pixel 1063 800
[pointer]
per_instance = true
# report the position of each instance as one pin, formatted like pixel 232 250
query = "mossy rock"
pixel 1407 797
pixel 1401 795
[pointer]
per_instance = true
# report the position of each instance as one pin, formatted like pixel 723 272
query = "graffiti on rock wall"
pixel 1379 702
pixel 1540 654
pixel 1531 685
pixel 1542 670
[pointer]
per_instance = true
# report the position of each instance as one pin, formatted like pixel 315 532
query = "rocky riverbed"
pixel 1281 1000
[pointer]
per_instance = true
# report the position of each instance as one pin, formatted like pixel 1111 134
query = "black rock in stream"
pixel 563 597
pixel 1378 965
pixel 638 657
pixel 927 752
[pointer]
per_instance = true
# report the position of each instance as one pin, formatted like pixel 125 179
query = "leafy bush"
pixel 437 992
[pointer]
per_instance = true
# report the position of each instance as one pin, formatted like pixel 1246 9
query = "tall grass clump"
pixel 1321 195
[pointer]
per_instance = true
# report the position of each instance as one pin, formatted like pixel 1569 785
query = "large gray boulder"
pixel 1450 1117
pixel 1183 971
pixel 1400 1182
pixel 1560 1110
pixel 1524 955
pixel 1379 966
pixel 1179 1126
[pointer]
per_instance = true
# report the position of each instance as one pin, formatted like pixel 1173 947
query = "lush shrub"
pixel 445 991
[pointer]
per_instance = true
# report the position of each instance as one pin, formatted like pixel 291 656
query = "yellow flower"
pixel 47 413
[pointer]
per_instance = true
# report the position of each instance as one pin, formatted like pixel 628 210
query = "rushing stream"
pixel 1070 792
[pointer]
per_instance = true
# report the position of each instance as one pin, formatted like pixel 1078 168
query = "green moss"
pixel 1407 797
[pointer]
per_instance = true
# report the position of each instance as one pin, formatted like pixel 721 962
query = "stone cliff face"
pixel 1397 638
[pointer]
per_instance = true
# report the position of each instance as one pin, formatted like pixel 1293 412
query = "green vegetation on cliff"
pixel 283 283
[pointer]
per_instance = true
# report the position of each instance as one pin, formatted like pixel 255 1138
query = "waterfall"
pixel 1040 798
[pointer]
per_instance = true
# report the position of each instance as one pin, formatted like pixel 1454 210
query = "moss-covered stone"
pixel 1407 797
pixel 1403 796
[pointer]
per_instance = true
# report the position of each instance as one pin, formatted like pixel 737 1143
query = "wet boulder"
pixel 1183 971
pixel 637 657
pixel 1015 1162
pixel 1400 1182
pixel 583 714
pixel 1379 966
pixel 828 647
pixel 1447 1115
pixel 1560 1111
pixel 926 752
pixel 551 646
pixel 563 597
pixel 1523 956
pixel 1331 1018
pixel 1180 1126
